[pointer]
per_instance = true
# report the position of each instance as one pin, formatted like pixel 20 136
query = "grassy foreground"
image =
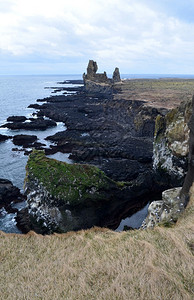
pixel 101 264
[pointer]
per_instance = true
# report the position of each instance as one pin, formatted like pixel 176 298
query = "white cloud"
pixel 131 34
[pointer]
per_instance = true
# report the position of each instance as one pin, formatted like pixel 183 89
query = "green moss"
pixel 176 132
pixel 160 127
pixel 159 124
pixel 71 183
pixel 171 116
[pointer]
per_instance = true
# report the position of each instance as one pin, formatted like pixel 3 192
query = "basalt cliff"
pixel 126 148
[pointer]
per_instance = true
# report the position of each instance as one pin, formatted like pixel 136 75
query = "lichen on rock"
pixel 165 211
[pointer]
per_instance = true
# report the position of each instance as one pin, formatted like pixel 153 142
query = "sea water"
pixel 16 94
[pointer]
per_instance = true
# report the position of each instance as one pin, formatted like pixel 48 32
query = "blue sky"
pixel 59 37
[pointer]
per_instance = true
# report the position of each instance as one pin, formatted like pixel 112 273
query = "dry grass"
pixel 166 93
pixel 100 264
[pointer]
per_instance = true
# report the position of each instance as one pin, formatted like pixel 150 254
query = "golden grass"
pixel 100 264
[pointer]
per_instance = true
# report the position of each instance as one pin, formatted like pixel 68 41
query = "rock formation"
pixel 165 210
pixel 9 194
pixel 116 75
pixel 63 197
pixel 28 124
pixel 99 82
pixel 4 137
pixel 190 174
pixel 93 76
pixel 173 134
pixel 171 143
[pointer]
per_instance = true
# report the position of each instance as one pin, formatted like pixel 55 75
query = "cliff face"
pixel 171 142
pixel 190 174
pixel 174 141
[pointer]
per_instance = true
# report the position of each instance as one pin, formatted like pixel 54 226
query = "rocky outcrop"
pixel 24 140
pixel 171 143
pixel 64 197
pixel 29 124
pixel 93 76
pixel 99 82
pixel 178 137
pixel 9 194
pixel 166 210
pixel 4 137
pixel 190 174
pixel 116 76
pixel 16 119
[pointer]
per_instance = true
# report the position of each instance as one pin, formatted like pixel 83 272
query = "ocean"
pixel 16 93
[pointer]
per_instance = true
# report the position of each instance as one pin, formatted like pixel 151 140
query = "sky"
pixel 60 36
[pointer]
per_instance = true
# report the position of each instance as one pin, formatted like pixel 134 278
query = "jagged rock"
pixel 92 75
pixel 96 83
pixel 116 75
pixel 91 69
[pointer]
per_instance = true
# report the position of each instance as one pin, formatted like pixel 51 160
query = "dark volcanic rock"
pixel 24 140
pixel 31 124
pixel 116 75
pixel 103 132
pixel 4 137
pixel 16 119
pixel 8 194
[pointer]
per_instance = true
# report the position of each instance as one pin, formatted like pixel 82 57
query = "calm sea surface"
pixel 16 93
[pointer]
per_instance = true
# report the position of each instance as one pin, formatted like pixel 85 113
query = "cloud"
pixel 142 36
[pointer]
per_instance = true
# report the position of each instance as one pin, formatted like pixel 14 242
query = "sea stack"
pixel 116 75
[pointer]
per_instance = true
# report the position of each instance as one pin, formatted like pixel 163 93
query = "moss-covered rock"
pixel 63 197
pixel 71 183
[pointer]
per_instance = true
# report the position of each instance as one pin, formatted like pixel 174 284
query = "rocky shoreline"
pixel 112 133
